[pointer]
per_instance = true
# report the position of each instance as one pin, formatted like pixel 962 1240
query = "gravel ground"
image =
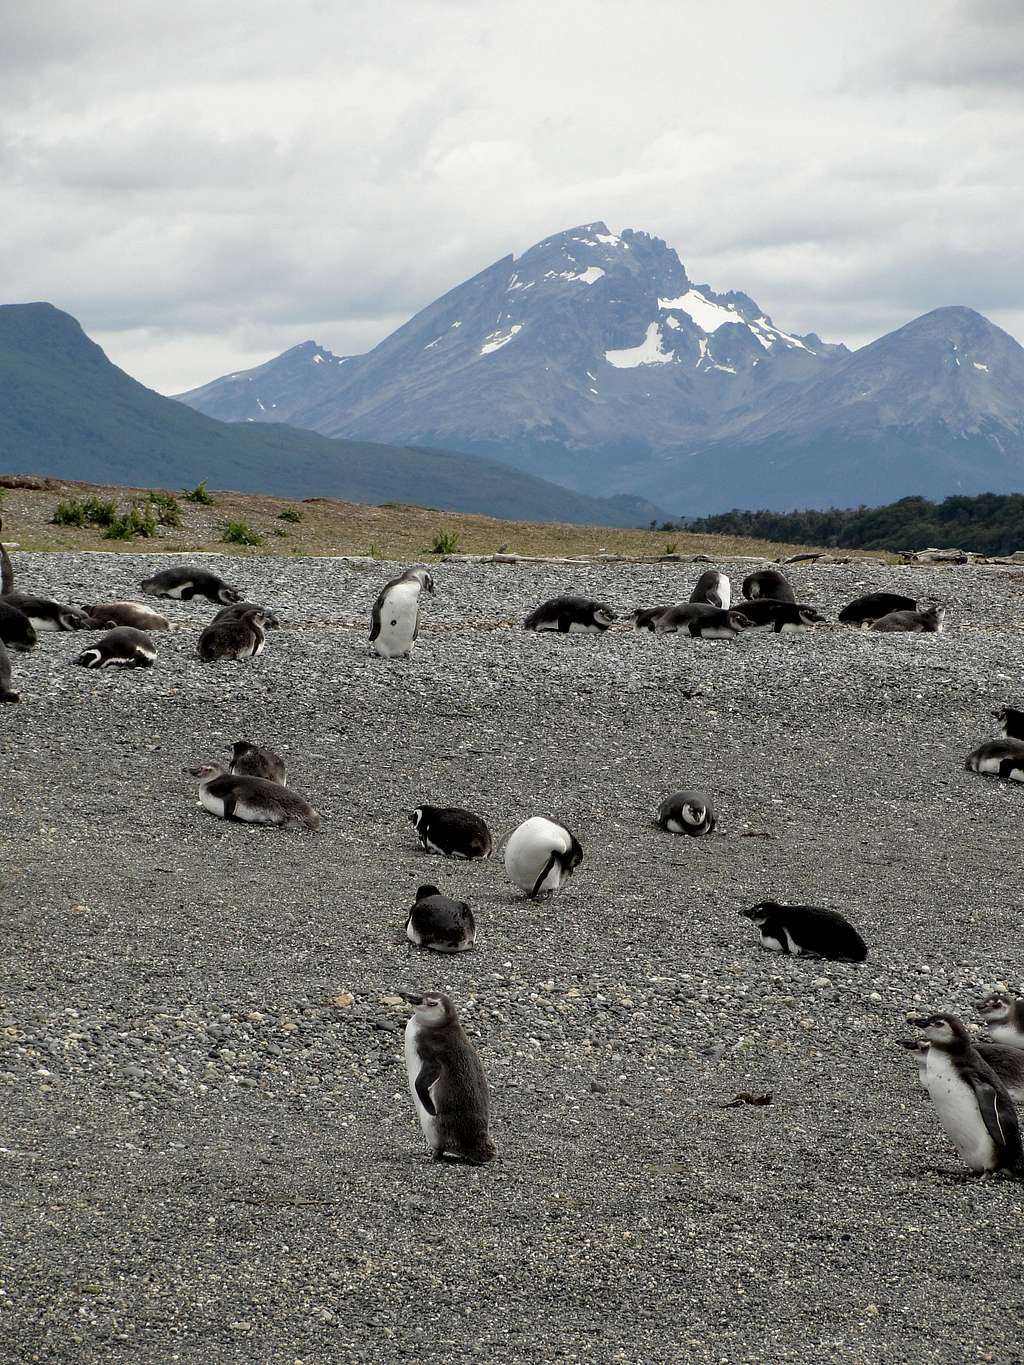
pixel 208 1152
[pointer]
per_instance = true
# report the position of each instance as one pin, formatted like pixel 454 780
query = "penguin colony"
pixel 973 1085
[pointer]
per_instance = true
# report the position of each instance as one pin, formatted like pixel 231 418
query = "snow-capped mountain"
pixel 583 358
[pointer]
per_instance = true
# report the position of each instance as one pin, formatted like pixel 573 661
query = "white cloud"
pixel 203 186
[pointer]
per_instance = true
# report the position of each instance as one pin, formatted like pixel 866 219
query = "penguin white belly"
pixel 583 628
pixel 44 623
pixel 255 815
pixel 957 1107
pixel 1007 1035
pixel 213 804
pixel 771 943
pixel 398 614
pixel 675 826
pixel 792 628
pixel 989 766
pixel 428 1122
pixel 528 851
pixel 718 633
pixel 176 592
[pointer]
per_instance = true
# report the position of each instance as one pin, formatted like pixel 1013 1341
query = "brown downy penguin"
pixel 970 1100
pixel 451 831
pixel 239 637
pixel 768 583
pixel 687 813
pixel 447 1082
pixel 807 930
pixel 253 800
pixel 930 620
pixel 247 760
pixel 104 615
pixel 569 615
pixel 124 647
pixel 863 610
pixel 713 588
pixel 439 923
pixel 6 693
pixel 1002 758
pixel 236 609
pixel 395 618
pixel 1006 1062
pixel 1003 1014
pixel 183 583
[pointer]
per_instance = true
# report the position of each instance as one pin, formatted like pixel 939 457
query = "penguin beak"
pixel 412 999
pixel 917 1021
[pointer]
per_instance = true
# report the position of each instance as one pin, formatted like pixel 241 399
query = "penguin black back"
pixel 452 832
pixel 806 929
pixel 1011 722
pixel 248 760
pixel 873 605
pixel 439 923
pixel 447 1081
pixel 568 614
pixel 768 583
pixel 16 630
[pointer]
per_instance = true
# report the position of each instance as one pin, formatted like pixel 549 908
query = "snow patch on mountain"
pixel 496 340
pixel 649 352
pixel 707 315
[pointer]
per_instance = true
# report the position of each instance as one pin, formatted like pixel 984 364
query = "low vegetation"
pixel 137 521
pixel 198 495
pixel 290 514
pixel 239 533
pixel 167 507
pixel 444 543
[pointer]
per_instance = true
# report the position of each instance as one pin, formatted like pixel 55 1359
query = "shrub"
pixel 168 509
pixel 670 548
pixel 278 531
pixel 291 514
pixel 100 511
pixel 137 521
pixel 444 543
pixel 69 513
pixel 198 494
pixel 238 533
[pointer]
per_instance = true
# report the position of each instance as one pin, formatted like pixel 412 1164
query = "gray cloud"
pixel 205 186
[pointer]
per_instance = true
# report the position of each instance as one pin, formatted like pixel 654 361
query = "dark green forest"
pixel 990 524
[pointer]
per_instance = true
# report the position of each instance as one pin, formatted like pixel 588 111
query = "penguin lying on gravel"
pixel 124 647
pixel 46 614
pixel 765 613
pixel 713 588
pixel 1003 1014
pixel 184 582
pixel 452 832
pixel 447 1082
pixel 105 615
pixel 1011 722
pixel 806 930
pixel 1006 1062
pixel 863 610
pixel 719 625
pixel 237 637
pixel 247 760
pixel 540 855
pixel 236 609
pixel 971 1102
pixel 768 583
pixel 440 923
pixel 930 620
pixel 687 813
pixel 568 615
pixel 6 693
pixel 647 618
pixel 16 630
pixel 1002 758
pixel 253 800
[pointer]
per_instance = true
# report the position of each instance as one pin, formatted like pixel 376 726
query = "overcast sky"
pixel 203 185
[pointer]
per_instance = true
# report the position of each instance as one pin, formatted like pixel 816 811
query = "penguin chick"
pixel 1006 1062
pixel 452 832
pixel 447 1082
pixel 1002 758
pixel 931 620
pixel 395 619
pixel 240 637
pixel 6 693
pixel 540 855
pixel 863 610
pixel 687 813
pixel 970 1100
pixel 808 930
pixel 713 588
pixel 440 923
pixel 235 609
pixel 249 761
pixel 106 615
pixel 768 583
pixel 720 625
pixel 1003 1015
pixel 569 615
pixel 1011 722
pixel 253 800
pixel 124 647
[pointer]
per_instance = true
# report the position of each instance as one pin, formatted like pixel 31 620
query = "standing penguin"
pixel 440 923
pixel 713 588
pixel 1006 1062
pixel 768 583
pixel 247 760
pixel 6 694
pixel 806 930
pixel 447 1082
pixel 451 831
pixel 971 1101
pixel 1003 1014
pixel 395 620
pixel 540 855
pixel 237 637
pixel 687 813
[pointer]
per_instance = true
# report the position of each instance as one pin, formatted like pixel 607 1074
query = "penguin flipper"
pixel 1000 1119
pixel 375 620
pixel 540 880
pixel 429 1072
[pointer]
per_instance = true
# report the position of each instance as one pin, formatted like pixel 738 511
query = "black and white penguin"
pixel 16 630
pixel 124 647
pixel 440 923
pixel 248 760
pixel 687 813
pixel 647 618
pixel 451 831
pixel 863 610
pixel 184 582
pixel 239 637
pixel 569 615
pixel 768 583
pixel 1003 1015
pixel 6 567
pixel 1002 758
pixel 540 855
pixel 1011 722
pixel 46 614
pixel 681 617
pixel 104 615
pixel 784 618
pixel 1006 1062
pixel 713 588
pixel 236 609
pixel 806 930
pixel 931 620
pixel 395 619
pixel 253 800
pixel 7 694
pixel 720 625
pixel 447 1082
pixel 971 1101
